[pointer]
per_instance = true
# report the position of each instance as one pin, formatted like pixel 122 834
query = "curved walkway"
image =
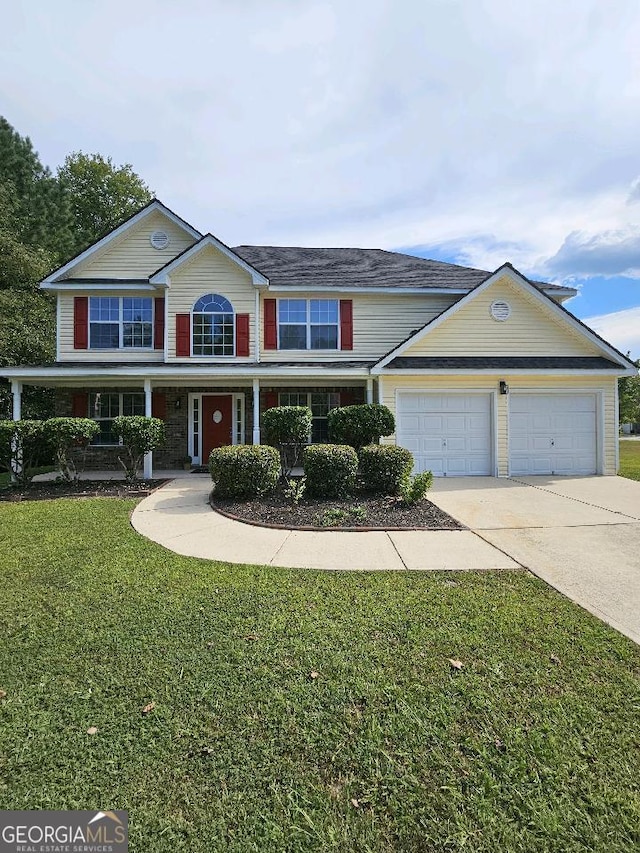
pixel 581 535
pixel 179 517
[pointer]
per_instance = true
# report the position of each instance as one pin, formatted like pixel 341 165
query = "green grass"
pixel 630 459
pixel 519 751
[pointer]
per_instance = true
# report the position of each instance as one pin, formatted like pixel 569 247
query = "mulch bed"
pixel 81 489
pixel 361 512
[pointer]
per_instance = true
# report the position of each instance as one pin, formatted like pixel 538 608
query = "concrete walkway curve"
pixel 581 535
pixel 179 517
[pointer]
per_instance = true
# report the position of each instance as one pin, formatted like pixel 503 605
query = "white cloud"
pixel 621 328
pixel 494 127
pixel 609 253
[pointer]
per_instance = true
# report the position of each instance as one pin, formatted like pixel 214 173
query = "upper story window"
pixel 120 322
pixel 213 326
pixel 308 323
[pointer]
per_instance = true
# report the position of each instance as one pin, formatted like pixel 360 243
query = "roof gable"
pixel 536 326
pixel 160 276
pixel 129 242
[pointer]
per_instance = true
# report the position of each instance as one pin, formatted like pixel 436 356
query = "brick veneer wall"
pixel 96 458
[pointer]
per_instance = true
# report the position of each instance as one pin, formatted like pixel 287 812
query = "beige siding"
pixel 532 329
pixel 65 333
pixel 131 255
pixel 380 322
pixel 209 272
pixel 604 387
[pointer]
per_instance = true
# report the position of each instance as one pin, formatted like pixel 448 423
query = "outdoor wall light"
pixel 504 388
pixel 178 403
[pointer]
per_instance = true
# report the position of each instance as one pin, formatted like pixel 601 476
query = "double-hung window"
pixel 120 322
pixel 311 324
pixel 104 407
pixel 320 402
pixel 213 326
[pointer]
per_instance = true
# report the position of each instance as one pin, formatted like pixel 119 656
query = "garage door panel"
pixel 552 434
pixel 449 434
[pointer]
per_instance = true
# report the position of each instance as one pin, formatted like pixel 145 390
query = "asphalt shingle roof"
pixel 490 362
pixel 301 267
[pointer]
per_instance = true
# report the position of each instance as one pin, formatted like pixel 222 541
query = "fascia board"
pixel 108 238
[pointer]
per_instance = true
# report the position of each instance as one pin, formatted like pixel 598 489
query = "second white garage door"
pixel 552 434
pixel 449 434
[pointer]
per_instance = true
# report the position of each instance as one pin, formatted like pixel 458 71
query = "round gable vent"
pixel 159 239
pixel 500 310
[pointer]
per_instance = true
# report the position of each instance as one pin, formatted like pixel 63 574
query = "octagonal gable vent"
pixel 500 310
pixel 159 239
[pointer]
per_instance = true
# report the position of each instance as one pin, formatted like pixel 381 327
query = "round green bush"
pixel 244 470
pixel 384 467
pixel 360 425
pixel 330 470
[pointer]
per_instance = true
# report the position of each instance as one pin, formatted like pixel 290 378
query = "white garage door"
pixel 449 434
pixel 552 434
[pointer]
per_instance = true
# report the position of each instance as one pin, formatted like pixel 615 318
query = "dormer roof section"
pixel 161 276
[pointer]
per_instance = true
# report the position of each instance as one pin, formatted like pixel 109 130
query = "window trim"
pixel 309 324
pixel 92 417
pixel 308 395
pixel 121 323
pixel 193 313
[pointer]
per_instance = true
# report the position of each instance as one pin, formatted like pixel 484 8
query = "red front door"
pixel 217 423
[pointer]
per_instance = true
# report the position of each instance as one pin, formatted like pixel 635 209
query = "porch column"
pixel 380 391
pixel 16 393
pixel 148 457
pixel 256 411
pixel 369 390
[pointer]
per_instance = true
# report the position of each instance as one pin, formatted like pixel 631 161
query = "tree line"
pixel 46 218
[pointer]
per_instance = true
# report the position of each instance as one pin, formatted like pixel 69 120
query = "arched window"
pixel 213 326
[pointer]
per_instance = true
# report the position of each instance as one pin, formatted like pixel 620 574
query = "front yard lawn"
pixel 301 710
pixel 630 459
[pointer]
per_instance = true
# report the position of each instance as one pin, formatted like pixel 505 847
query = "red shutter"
pixel 81 322
pixel 183 334
pixel 270 324
pixel 346 324
pixel 270 398
pixel 242 334
pixel 346 398
pixel 159 406
pixel 158 323
pixel 80 406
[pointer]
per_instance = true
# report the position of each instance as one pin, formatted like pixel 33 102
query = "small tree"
pixel 139 436
pixel 63 434
pixel 21 447
pixel 629 397
pixel 358 426
pixel 289 428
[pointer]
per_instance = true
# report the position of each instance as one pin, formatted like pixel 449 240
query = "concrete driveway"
pixel 581 535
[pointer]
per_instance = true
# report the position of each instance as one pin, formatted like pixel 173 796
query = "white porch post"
pixel 369 390
pixel 148 457
pixel 256 411
pixel 380 391
pixel 16 393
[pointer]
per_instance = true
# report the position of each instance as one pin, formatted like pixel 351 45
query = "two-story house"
pixel 486 373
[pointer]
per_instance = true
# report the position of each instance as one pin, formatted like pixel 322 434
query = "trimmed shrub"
pixel 21 447
pixel 384 467
pixel 244 470
pixel 330 469
pixel 288 428
pixel 360 425
pixel 64 434
pixel 414 489
pixel 140 435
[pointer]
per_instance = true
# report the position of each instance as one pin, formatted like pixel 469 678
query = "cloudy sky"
pixel 475 131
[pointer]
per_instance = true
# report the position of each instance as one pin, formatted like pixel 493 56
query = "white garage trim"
pixel 490 411
pixel 596 452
